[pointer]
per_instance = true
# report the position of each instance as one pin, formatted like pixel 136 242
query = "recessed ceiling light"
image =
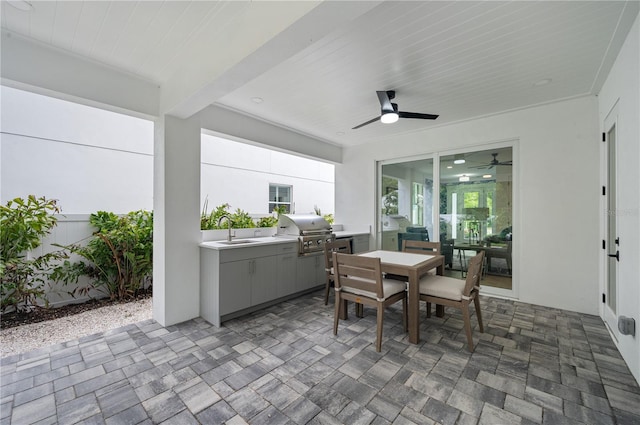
pixel 463 178
pixel 257 100
pixel 486 176
pixel 21 5
pixel 542 82
pixel 449 166
pixel 459 159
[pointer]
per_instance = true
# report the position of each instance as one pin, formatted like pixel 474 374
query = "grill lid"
pixel 298 224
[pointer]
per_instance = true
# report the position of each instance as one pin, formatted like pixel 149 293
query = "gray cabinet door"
pixel 310 272
pixel 360 243
pixel 286 275
pixel 264 283
pixel 235 286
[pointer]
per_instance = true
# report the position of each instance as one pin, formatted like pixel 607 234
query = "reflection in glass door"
pixel 476 212
pixel 406 203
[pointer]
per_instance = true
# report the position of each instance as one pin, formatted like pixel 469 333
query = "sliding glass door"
pixel 476 214
pixel 462 200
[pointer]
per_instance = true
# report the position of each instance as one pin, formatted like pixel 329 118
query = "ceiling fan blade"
pixel 365 123
pixel 385 100
pixel 418 115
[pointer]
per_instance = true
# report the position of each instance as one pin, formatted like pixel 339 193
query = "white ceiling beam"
pixel 193 90
pixel 237 126
pixel 57 73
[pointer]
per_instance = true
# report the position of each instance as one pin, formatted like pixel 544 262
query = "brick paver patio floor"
pixel 283 365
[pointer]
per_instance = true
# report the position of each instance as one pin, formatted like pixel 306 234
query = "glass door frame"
pixel 608 315
pixel 514 144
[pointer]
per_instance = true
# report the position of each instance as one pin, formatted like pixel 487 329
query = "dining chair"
pixel 421 247
pixel 505 253
pixel 359 279
pixel 457 293
pixel 339 245
pixel 418 247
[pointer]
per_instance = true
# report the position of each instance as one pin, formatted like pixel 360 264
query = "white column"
pixel 176 221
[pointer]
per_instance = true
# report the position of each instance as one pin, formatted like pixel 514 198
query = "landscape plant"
pixel 327 217
pixel 239 219
pixel 23 278
pixel 119 255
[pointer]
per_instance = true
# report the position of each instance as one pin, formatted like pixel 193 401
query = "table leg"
pixel 413 304
pixel 440 308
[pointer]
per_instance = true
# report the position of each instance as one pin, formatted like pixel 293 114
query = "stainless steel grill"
pixel 311 230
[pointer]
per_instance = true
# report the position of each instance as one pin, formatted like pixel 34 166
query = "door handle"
pixel 616 255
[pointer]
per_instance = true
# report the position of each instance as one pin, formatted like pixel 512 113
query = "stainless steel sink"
pixel 235 242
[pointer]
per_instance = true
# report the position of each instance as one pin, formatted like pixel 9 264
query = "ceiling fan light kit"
pixel 389 111
pixel 389 118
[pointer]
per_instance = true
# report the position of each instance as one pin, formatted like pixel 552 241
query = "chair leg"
pixel 428 305
pixel 476 302
pixel 405 314
pixel 336 316
pixel 327 288
pixel 359 310
pixel 379 330
pixel 467 324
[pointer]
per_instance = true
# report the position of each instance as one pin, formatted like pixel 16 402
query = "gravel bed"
pixel 25 338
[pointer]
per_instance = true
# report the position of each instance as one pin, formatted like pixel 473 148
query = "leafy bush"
pixel 210 221
pixel 327 217
pixel 269 221
pixel 120 255
pixel 239 219
pixel 24 222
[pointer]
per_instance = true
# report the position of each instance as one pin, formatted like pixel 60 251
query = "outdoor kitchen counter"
pixel 348 233
pixel 266 240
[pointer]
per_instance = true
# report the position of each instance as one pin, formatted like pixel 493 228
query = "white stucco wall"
pixel 622 89
pixel 91 159
pixel 239 174
pixel 556 198
pixel 87 158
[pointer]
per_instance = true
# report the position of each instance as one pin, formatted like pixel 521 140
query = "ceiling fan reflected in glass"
pixel 493 163
pixel 389 112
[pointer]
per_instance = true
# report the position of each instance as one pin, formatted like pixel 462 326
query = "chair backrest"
pixel 421 247
pixel 339 245
pixel 354 271
pixel 474 272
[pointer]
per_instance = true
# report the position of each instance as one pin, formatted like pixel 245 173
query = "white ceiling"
pixel 457 59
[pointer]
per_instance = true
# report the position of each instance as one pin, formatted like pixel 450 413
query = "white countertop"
pixel 267 240
pixel 347 233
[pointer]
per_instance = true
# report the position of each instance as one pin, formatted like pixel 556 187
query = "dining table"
pixel 413 267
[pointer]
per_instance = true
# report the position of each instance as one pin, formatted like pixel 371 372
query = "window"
pixel 280 196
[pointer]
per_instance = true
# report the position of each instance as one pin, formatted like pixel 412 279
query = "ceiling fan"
pixel 389 111
pixel 494 162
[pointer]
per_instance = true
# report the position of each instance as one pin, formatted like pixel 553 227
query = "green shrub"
pixel 239 219
pixel 120 255
pixel 23 224
pixel 268 221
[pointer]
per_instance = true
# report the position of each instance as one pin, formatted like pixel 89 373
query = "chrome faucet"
pixel 228 223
